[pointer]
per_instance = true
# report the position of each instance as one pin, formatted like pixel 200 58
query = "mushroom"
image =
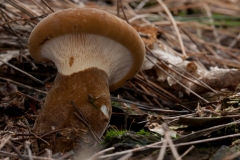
pixel 94 52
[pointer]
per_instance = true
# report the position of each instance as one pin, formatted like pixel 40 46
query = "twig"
pixel 67 155
pixel 125 17
pixel 30 97
pixel 49 133
pixel 48 153
pixel 30 76
pixel 4 153
pixel 97 139
pixel 199 133
pixel 12 30
pixel 186 152
pixel 96 155
pixel 170 142
pixel 207 140
pixel 48 6
pixel 185 87
pixel 4 140
pixel 23 85
pixel 162 150
pixel 164 93
pixel 125 156
pixel 9 143
pixel 22 7
pixel 234 41
pixel 131 150
pixel 27 148
pixel 40 138
pixel 148 107
pixel 202 83
pixel 85 122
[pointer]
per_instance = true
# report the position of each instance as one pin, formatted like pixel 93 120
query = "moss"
pixel 129 138
pixel 113 133
pixel 143 132
pixel 113 103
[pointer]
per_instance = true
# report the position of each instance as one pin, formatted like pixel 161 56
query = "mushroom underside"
pixel 78 51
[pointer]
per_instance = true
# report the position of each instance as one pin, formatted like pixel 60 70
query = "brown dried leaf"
pixel 148 34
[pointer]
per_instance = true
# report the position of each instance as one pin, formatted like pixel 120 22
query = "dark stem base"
pixel 88 90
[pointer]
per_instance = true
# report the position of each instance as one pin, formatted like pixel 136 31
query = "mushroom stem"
pixel 89 91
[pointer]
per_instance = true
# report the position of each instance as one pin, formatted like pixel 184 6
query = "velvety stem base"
pixel 89 91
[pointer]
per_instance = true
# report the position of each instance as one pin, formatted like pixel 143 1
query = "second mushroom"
pixel 94 51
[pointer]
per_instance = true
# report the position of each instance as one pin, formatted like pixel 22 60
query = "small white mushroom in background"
pixel 93 51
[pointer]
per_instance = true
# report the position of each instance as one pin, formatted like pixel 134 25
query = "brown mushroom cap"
pixel 77 25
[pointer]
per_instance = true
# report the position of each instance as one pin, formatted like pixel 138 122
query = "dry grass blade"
pixel 175 27
pixel 22 7
pixel 48 6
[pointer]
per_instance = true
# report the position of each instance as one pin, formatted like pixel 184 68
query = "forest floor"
pixel 183 104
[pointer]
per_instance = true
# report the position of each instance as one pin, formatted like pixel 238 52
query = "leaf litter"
pixel 187 90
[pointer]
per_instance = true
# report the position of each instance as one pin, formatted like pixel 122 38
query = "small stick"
pixel 158 90
pixel 125 17
pixel 162 151
pixel 30 76
pixel 48 6
pixel 30 97
pixel 207 140
pixel 185 87
pixel 186 152
pixel 183 76
pixel 100 153
pixel 126 156
pixel 67 155
pixel 86 124
pixel 84 120
pixel 170 142
pixel 22 7
pixel 27 147
pixel 40 138
pixel 149 107
pixel 11 29
pixel 9 143
pixel 36 136
pixel 48 152
pixel 4 140
pixel 24 156
pixel 23 85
